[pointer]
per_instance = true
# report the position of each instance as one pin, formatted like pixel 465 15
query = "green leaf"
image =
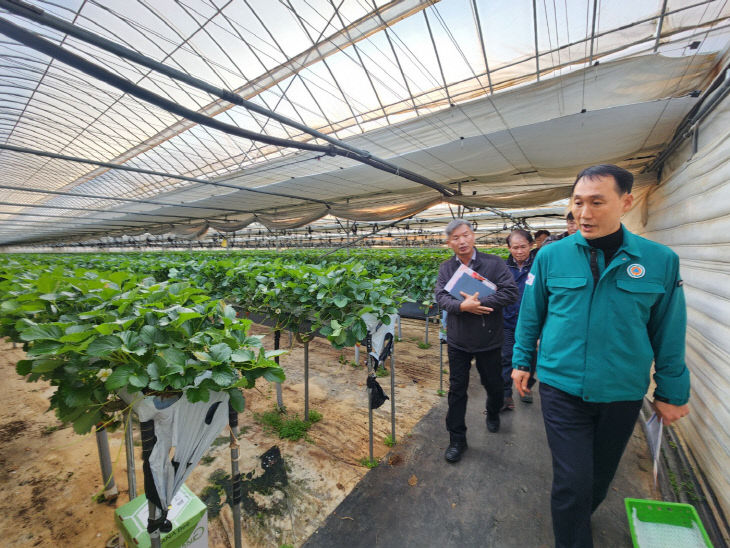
pixel 240 356
pixel 203 356
pixel 157 385
pixel 153 336
pixel 140 380
pixel 341 300
pixel 238 402
pixel 103 346
pixel 76 336
pixel 197 393
pixel 223 376
pixel 119 378
pixel 229 312
pixel 132 343
pixel 86 422
pixel 220 352
pixel 78 397
pixel 336 328
pixel 271 354
pixel 42 331
pixel 108 328
pixel 45 365
pixel 41 348
pixel 274 374
pixel 23 367
pixel 174 358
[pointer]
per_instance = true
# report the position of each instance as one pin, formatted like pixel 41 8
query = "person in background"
pixel 540 237
pixel 605 304
pixel 571 228
pixel 474 327
pixel 519 243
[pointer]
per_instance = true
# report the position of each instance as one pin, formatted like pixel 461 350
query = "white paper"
pixel 654 427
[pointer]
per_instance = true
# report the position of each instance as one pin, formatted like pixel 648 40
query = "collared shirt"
pixel 598 339
pixel 471 261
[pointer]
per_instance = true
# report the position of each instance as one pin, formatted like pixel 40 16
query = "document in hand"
pixel 654 435
pixel 468 281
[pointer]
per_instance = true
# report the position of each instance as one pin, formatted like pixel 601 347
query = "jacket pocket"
pixel 637 297
pixel 567 282
pixel 640 286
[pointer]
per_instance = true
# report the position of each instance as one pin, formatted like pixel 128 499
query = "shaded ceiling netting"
pixel 499 103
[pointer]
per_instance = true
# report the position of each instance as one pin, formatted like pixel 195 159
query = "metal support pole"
pixel 357 353
pixel 306 380
pixel 235 476
pixel 426 338
pixel 105 460
pixel 129 450
pixel 392 392
pixel 279 396
pixel 369 347
pixel 400 332
pixel 154 514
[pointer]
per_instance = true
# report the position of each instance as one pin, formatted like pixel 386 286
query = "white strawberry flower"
pixel 104 374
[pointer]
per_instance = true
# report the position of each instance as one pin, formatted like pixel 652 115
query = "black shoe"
pixel 493 424
pixel 454 451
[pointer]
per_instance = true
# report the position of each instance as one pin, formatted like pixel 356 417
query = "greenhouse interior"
pixel 226 232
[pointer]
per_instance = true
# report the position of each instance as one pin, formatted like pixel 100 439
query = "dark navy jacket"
pixel 473 332
pixel 520 275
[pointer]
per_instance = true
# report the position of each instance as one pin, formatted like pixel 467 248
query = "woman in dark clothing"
pixel 519 263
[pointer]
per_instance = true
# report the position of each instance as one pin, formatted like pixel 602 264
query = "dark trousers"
pixel 507 350
pixel 489 367
pixel 587 441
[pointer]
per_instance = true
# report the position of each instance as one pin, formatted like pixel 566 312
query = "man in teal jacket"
pixel 604 304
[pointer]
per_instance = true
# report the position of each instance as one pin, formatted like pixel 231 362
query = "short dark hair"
pixel 456 223
pixel 542 232
pixel 524 233
pixel 624 179
pixel 569 216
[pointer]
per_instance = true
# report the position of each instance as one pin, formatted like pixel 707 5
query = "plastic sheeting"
pixel 189 428
pixel 381 336
pixel 690 212
pixel 517 148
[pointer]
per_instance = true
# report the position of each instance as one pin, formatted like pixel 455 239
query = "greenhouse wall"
pixel 689 210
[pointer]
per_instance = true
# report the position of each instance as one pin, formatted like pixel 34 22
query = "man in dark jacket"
pixel 519 263
pixel 474 330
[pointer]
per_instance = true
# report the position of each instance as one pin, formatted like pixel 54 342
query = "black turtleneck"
pixel 608 244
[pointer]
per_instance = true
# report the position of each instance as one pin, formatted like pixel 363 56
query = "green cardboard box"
pixel 188 516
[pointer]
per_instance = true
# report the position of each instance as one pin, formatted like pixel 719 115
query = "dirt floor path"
pixel 49 475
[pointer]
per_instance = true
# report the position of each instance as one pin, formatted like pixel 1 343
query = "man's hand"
pixel 520 379
pixel 471 304
pixel 669 413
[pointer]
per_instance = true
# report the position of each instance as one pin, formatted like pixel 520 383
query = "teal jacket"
pixel 599 342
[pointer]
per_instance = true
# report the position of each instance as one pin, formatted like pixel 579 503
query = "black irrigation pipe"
pixel 101 197
pixel 348 244
pixel 72 208
pixel 24 150
pixel 33 41
pixel 714 95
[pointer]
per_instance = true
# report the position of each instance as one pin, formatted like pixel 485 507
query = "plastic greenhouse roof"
pixel 497 103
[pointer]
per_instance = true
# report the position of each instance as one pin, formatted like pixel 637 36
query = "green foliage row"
pixel 413 270
pixel 90 333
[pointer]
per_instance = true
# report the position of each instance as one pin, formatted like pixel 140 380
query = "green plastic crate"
pixel 658 524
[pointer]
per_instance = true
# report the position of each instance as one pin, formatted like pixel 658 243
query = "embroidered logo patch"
pixel 530 279
pixel 636 270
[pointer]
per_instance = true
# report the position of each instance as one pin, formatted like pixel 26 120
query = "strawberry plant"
pixel 96 333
